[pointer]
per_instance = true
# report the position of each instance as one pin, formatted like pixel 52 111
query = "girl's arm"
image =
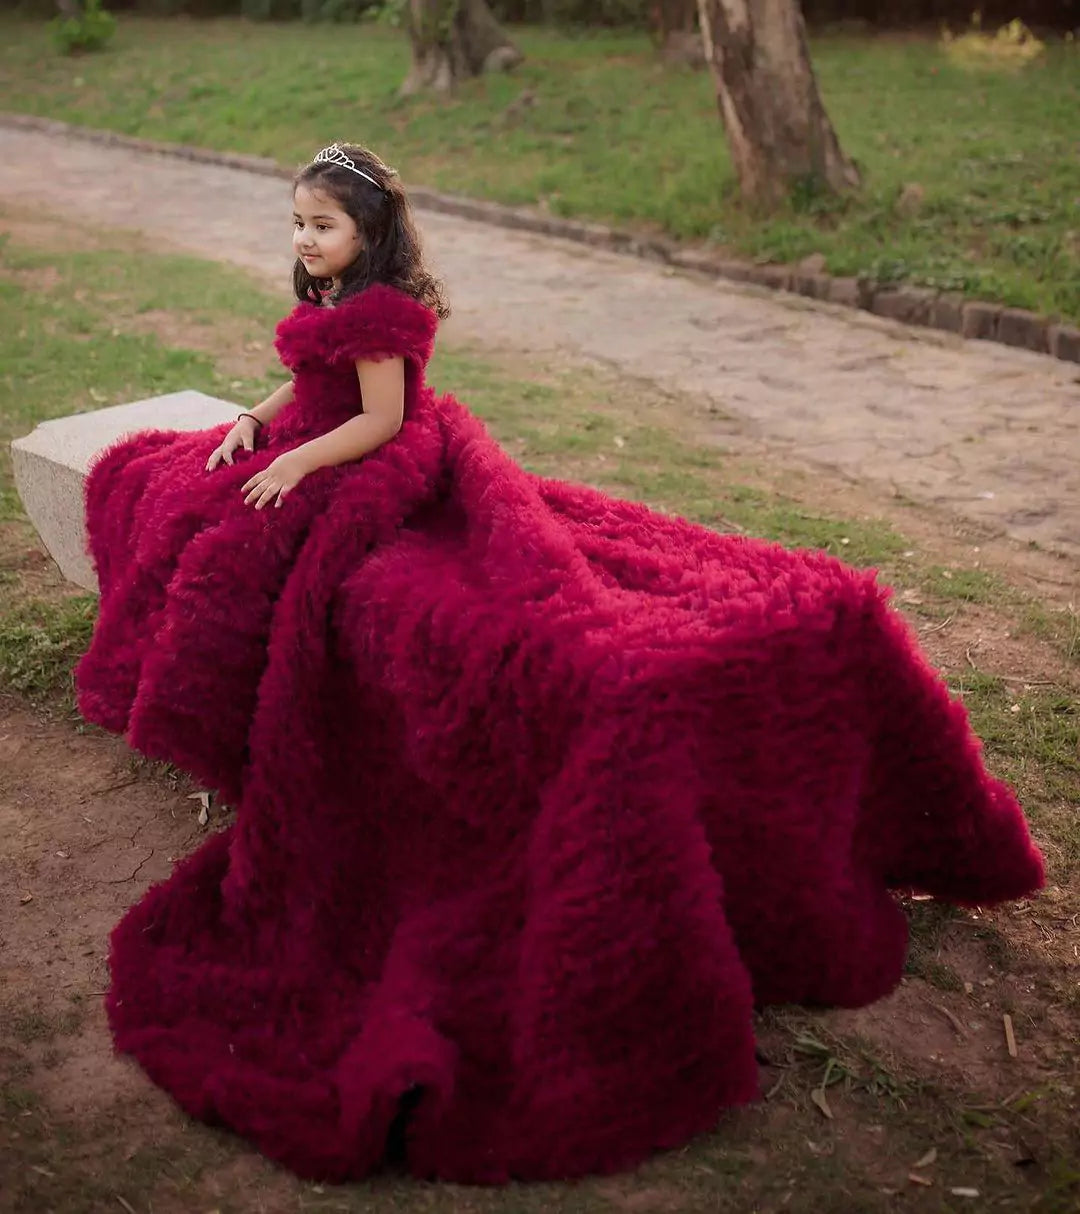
pixel 268 409
pixel 246 427
pixel 383 386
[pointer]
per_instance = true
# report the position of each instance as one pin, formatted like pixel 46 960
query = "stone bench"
pixel 50 465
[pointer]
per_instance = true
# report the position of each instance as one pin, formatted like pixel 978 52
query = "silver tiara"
pixel 334 155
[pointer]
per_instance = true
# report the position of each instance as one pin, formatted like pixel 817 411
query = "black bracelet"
pixel 257 422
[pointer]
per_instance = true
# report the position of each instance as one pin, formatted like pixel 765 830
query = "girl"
pixel 538 793
pixel 351 228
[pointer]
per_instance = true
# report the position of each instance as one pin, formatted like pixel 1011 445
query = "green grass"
pixel 61 351
pixel 66 346
pixel 614 135
pixel 41 640
pixel 1032 735
pixel 1061 628
pixel 964 585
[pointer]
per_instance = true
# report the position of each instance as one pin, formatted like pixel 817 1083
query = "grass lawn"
pixel 594 126
pixel 91 324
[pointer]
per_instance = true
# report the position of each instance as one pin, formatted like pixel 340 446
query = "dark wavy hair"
pixel 391 252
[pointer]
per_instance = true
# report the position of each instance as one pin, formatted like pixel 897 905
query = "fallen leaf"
pixel 204 802
pixel 964 1192
pixel 26 898
pixel 818 1097
pixel 929 1158
pixel 915 1178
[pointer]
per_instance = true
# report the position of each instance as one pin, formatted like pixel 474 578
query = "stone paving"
pixel 987 431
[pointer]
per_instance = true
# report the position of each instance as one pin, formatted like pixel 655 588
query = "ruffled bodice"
pixel 321 346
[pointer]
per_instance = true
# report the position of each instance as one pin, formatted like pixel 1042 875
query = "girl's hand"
pixel 277 480
pixel 241 435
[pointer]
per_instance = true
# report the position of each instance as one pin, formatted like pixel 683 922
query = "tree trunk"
pixel 452 39
pixel 777 128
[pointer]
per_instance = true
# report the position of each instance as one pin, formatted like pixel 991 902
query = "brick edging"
pixel 947 311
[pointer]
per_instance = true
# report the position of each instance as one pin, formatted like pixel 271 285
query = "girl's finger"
pixel 258 484
pixel 249 444
pixel 227 456
pixel 268 493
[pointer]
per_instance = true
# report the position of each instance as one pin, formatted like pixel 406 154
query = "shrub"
pixel 1008 50
pixel 89 31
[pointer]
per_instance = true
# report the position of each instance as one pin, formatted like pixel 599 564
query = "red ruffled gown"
pixel 538 793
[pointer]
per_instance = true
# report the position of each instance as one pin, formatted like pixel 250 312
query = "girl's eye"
pixel 322 227
pixel 297 223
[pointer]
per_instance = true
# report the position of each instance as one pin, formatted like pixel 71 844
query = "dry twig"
pixel 951 1018
pixel 1010 1036
pixel 939 627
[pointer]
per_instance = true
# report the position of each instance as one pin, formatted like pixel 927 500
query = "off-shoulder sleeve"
pixel 381 322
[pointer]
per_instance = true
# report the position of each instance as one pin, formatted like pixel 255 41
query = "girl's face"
pixel 325 238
